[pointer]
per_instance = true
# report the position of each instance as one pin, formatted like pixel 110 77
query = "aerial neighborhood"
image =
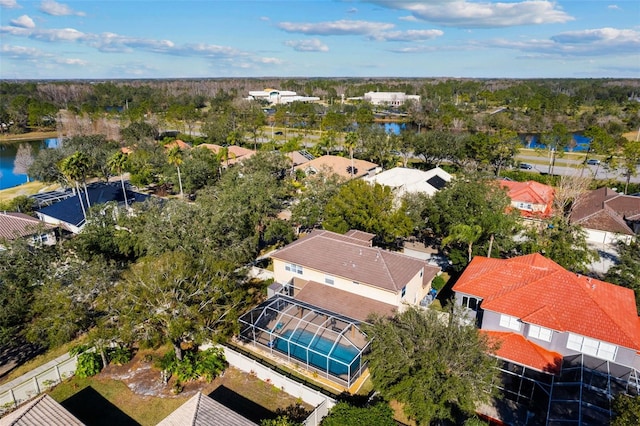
pixel 408 251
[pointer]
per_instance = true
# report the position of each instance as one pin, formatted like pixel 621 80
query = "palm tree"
pixel 174 158
pixel 75 168
pixel 117 163
pixel 462 233
pixel 350 142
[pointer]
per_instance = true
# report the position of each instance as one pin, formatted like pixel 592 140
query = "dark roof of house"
pixel 539 291
pixel 43 410
pixel 17 225
pixel 69 210
pixel 606 210
pixel 202 410
pixel 353 259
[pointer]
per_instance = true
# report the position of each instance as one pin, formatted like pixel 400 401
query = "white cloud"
pixel 23 21
pixel 614 7
pixel 265 18
pixel 352 10
pixel 72 61
pixel 312 45
pixel 62 34
pixel 21 52
pixel 591 42
pixel 51 7
pixel 408 18
pixel 10 4
pixel 468 14
pixel 410 35
pixel 342 27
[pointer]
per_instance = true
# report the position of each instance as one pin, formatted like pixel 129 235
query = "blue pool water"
pixel 300 340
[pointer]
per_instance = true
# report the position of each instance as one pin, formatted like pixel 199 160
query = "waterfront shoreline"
pixel 31 136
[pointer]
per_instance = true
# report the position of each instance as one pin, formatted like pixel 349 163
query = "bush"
pixel 438 282
pixel 119 355
pixel 89 364
pixel 195 364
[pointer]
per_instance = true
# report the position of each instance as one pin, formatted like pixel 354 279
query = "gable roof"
pixel 18 225
pixel 404 180
pixel 515 347
pixel 530 192
pixel 43 410
pixel 539 291
pixel 201 410
pixel 338 165
pixel 236 153
pixel 182 146
pixel 354 259
pixel 69 210
pixel 300 157
pixel 606 210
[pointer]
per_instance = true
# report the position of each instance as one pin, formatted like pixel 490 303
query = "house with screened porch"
pixel 327 285
pixel 568 343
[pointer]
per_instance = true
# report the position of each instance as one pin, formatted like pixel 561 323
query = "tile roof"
pixel 202 410
pixel 606 210
pixel 405 180
pixel 236 153
pixel 338 165
pixel 515 347
pixel 539 291
pixel 17 225
pixel 530 192
pixel 179 143
pixel 353 259
pixel 342 302
pixel 43 410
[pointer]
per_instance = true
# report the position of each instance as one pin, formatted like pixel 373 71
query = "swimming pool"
pixel 302 342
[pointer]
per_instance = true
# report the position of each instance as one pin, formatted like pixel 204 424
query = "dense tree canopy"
pixel 437 365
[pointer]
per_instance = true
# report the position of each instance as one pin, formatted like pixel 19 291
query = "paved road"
pixel 572 167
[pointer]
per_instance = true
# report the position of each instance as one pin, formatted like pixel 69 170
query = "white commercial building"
pixel 389 98
pixel 274 96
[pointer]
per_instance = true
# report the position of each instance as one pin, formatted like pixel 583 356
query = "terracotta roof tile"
pixel 514 347
pixel 530 192
pixel 353 259
pixel 540 291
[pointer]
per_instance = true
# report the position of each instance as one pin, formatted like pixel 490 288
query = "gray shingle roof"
pixel 43 410
pixel 201 410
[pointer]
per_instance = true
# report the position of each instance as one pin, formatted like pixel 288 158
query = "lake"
pixel 9 176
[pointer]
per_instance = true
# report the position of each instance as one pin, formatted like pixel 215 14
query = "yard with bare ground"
pixel 133 394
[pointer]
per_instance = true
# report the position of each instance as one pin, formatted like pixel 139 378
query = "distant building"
pixel 275 97
pixel 389 98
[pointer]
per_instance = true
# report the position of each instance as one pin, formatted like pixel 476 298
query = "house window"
pixel 404 291
pixel 524 206
pixel 592 347
pixel 328 279
pixel 540 333
pixel 292 267
pixel 470 302
pixel 507 321
pixel 421 272
pixel 356 282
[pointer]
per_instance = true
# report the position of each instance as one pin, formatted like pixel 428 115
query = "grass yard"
pixel 109 398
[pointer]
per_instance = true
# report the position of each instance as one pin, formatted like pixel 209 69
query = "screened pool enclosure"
pixel 322 342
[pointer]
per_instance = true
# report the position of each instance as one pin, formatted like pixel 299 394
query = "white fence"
pixel 36 381
pixel 322 402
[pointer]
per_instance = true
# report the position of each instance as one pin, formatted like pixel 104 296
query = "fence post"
pixel 35 383
pixel 13 398
pixel 58 373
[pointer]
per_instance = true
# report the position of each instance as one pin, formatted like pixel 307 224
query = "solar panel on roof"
pixel 437 182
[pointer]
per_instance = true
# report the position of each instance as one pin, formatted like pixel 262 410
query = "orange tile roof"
pixel 530 192
pixel 515 347
pixel 180 144
pixel 236 153
pixel 338 165
pixel 539 291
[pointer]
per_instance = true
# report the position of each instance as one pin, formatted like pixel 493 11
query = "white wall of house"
pixel 604 237
pixel 529 207
pixel 413 293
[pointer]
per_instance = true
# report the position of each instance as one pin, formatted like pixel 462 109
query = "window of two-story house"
pixel 292 267
pixel 524 206
pixel 592 347
pixel 507 321
pixel 540 333
pixel 328 279
pixel 404 291
pixel 470 302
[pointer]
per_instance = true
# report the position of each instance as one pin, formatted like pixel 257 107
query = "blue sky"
pixel 105 39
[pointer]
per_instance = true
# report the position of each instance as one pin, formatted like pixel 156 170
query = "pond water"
pixel 11 174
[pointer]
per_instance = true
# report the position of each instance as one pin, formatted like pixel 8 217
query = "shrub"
pixel 89 364
pixel 78 349
pixel 438 282
pixel 207 364
pixel 119 355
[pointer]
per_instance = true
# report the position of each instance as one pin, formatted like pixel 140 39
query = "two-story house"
pixel 567 340
pixel 346 274
pixel 532 199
